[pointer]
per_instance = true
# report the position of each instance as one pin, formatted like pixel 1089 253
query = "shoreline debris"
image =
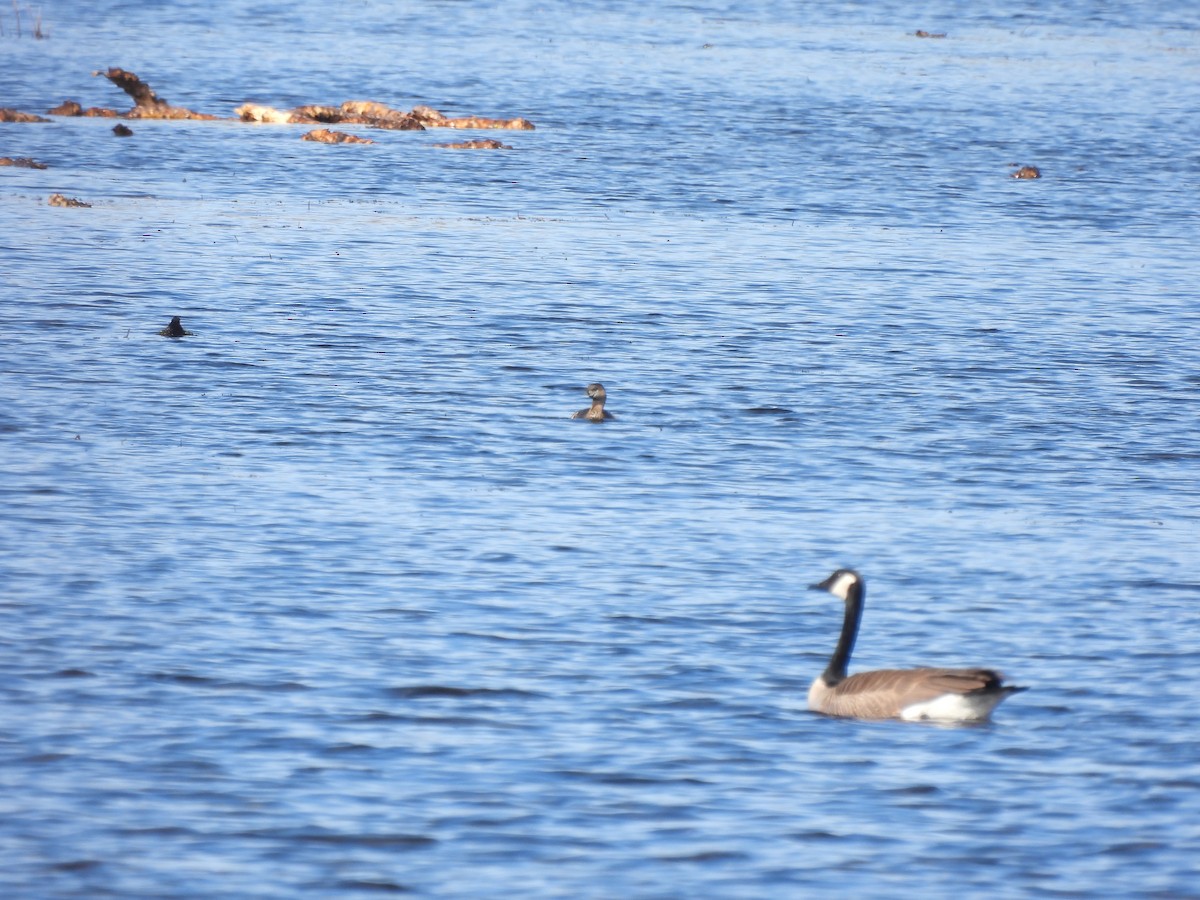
pixel 325 136
pixel 147 104
pixel 71 108
pixel 374 115
pixel 369 113
pixel 479 144
pixel 23 162
pixel 15 115
pixel 63 200
pixel 432 118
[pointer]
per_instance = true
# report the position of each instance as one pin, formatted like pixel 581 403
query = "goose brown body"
pixel 958 695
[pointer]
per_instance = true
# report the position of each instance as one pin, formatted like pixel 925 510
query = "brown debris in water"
pixel 256 112
pixel 479 144
pixel 325 136
pixel 485 122
pixel 15 115
pixel 379 115
pixel 22 162
pixel 63 200
pixel 352 112
pixel 374 115
pixel 147 104
pixel 928 34
pixel 1027 172
pixel 72 108
pixel 66 108
pixel 435 118
pixel 327 114
pixel 122 130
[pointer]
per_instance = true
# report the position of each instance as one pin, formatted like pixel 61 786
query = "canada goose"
pixel 946 695
pixel 595 412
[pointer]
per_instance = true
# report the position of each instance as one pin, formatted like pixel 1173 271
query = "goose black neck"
pixel 838 663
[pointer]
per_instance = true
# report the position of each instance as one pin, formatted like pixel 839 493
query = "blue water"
pixel 332 598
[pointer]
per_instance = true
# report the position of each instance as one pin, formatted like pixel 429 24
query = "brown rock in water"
pixel 330 115
pixel 147 104
pixel 175 329
pixel 254 112
pixel 15 115
pixel 433 118
pixel 480 144
pixel 485 122
pixel 325 136
pixel 66 108
pixel 398 122
pixel 122 130
pixel 377 115
pixel 1027 172
pixel 374 115
pixel 23 162
pixel 71 108
pixel 427 115
pixel 61 200
pixel 136 88
pixel 368 108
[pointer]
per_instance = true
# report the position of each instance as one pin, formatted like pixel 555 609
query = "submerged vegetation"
pixel 31 14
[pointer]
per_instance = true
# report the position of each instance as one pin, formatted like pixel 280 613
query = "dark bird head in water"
pixel 175 329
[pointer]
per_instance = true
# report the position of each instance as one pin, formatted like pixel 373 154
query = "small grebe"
pixel 595 412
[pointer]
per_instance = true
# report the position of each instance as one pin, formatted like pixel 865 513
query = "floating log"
pixel 71 108
pixel 22 162
pixel 485 122
pixel 62 200
pixel 374 115
pixel 15 115
pixel 480 144
pixel 369 108
pixel 434 118
pixel 147 104
pixel 378 115
pixel 328 114
pixel 325 136
pixel 254 112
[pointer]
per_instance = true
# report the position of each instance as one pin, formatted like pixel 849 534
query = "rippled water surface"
pixel 332 598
